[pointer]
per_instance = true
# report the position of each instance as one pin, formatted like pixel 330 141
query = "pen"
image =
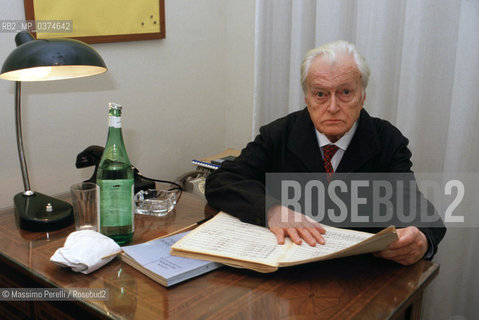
pixel 190 227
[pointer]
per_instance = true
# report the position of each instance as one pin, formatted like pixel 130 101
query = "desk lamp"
pixel 44 60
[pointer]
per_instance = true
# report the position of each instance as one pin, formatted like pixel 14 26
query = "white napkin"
pixel 83 251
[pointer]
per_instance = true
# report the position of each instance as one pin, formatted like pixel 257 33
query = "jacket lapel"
pixel 364 145
pixel 303 143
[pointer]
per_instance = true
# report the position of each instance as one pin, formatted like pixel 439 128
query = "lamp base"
pixel 39 212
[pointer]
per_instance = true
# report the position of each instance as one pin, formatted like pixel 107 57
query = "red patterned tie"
pixel 328 152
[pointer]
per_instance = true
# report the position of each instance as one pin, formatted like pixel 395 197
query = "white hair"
pixel 330 50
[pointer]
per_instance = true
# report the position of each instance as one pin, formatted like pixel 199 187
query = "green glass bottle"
pixel 115 179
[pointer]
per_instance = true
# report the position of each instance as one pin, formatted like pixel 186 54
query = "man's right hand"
pixel 286 222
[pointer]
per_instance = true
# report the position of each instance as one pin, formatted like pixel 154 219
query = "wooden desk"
pixel 361 287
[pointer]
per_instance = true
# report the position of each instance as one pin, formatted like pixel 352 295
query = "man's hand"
pixel 285 222
pixel 408 249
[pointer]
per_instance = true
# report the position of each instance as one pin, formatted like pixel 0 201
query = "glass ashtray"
pixel 155 202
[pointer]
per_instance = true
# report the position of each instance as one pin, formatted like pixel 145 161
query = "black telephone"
pixel 91 156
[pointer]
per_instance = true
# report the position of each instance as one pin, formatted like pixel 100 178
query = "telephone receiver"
pixel 91 156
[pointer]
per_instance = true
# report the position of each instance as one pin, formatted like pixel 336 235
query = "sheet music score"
pixel 228 236
pixel 335 240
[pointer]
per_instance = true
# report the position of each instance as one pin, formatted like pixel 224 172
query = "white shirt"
pixel 342 144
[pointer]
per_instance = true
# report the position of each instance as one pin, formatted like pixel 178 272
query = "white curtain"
pixel 424 60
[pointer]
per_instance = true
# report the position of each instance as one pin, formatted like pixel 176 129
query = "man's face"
pixel 334 95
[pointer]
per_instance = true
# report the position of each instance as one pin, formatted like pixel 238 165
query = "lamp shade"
pixel 50 59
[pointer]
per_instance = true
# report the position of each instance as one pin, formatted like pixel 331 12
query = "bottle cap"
pixel 115 106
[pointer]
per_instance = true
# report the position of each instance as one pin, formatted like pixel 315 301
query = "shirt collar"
pixel 342 143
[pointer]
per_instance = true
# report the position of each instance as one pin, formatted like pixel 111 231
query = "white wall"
pixel 187 96
pixel 239 84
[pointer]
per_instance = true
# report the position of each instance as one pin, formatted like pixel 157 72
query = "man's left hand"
pixel 408 249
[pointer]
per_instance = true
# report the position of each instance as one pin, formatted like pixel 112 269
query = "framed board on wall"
pixel 94 21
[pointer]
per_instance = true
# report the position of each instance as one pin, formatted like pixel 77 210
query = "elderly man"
pixel 333 130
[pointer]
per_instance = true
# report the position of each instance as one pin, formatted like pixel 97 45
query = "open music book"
pixel 227 240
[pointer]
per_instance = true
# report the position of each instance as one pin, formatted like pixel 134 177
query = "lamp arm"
pixel 18 127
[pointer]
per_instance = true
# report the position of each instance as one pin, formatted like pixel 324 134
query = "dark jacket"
pixel 289 144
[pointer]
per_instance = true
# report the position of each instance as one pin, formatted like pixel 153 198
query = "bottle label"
pixel 114 122
pixel 116 202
